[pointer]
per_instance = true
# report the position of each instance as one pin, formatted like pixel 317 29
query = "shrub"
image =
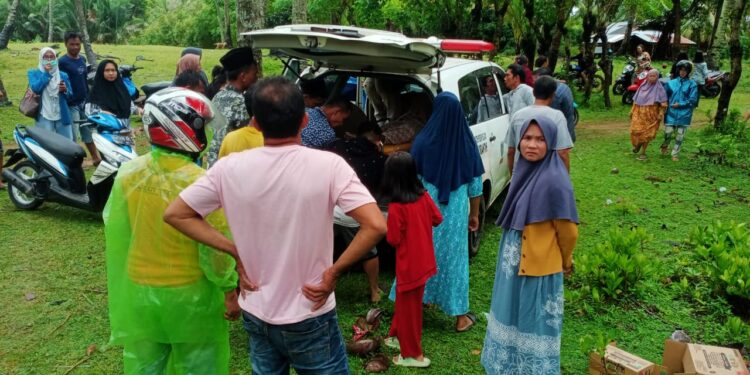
pixel 617 267
pixel 723 250
pixel 727 144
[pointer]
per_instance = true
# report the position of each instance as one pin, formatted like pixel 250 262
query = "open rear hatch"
pixel 351 48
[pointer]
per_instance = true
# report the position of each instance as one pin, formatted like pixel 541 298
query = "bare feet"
pixel 376 295
pixel 465 322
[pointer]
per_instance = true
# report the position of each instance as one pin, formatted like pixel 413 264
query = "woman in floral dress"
pixel 539 221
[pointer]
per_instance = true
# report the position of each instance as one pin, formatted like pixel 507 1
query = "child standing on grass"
pixel 411 216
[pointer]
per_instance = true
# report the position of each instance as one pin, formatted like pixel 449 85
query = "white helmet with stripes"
pixel 176 119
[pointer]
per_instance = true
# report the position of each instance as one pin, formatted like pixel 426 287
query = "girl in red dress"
pixel 411 216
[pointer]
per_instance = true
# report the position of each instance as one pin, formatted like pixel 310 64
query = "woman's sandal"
pixel 379 363
pixel 411 362
pixel 472 318
pixel 392 342
pixel 642 157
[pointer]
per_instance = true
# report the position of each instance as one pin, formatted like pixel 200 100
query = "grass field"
pixel 53 284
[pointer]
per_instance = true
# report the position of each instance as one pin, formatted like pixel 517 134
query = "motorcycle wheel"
pixel 618 88
pixel 597 84
pixel 627 98
pixel 712 91
pixel 26 170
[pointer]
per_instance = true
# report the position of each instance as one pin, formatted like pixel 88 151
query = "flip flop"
pixel 392 342
pixel 379 363
pixel 411 362
pixel 472 318
pixel 642 157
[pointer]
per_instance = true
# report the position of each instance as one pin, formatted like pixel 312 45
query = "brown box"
pixel 619 362
pixel 697 359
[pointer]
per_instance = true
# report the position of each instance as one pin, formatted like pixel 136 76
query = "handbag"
pixel 29 104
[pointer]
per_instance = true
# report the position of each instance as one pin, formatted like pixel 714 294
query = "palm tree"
pixel 81 18
pixel 9 23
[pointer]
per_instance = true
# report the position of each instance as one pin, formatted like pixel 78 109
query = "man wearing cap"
pixel 242 72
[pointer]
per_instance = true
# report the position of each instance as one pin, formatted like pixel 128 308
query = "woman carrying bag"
pixel 53 87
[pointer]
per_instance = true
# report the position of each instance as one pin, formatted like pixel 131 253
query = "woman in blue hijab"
pixel 450 168
pixel 540 230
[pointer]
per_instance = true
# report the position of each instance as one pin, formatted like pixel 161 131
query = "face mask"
pixel 50 62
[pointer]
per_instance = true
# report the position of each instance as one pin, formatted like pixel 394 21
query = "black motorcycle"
pixel 625 78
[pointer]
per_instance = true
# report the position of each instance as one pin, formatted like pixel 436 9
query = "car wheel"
pixel 475 238
pixel 27 171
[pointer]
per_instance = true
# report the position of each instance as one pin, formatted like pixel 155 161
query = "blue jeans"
pixel 312 346
pixel 56 127
pixel 77 113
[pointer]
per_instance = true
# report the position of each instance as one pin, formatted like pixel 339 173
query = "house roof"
pixel 616 33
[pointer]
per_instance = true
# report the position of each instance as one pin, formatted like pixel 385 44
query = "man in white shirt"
pixel 489 106
pixel 521 95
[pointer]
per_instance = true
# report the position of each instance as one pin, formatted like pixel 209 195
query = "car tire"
pixel 475 238
pixel 26 170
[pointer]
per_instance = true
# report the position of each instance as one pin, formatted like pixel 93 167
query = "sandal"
pixel 379 363
pixel 642 157
pixel 411 362
pixel 472 319
pixel 362 347
pixel 392 342
pixel 675 158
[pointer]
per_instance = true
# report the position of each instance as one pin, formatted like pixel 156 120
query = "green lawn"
pixel 54 300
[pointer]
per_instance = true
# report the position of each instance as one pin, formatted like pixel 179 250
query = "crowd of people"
pixel 250 236
pixel 671 102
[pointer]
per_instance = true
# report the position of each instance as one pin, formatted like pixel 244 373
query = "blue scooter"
pixel 53 171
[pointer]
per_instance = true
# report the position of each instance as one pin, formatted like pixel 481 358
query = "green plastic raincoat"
pixel 166 291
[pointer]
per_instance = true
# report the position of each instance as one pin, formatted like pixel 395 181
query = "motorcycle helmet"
pixel 684 64
pixel 176 119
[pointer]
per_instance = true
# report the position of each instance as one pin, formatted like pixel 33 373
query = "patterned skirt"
pixel 525 320
pixel 644 123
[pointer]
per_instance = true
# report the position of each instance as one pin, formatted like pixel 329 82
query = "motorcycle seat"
pixel 153 87
pixel 65 150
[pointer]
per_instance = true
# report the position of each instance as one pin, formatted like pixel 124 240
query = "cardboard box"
pixel 619 362
pixel 697 359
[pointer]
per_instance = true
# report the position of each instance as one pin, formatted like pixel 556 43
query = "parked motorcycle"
pixel 574 77
pixel 625 78
pixel 712 87
pixel 53 168
pixel 150 88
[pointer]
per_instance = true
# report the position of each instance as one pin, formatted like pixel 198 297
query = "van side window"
pixel 469 95
pixel 490 104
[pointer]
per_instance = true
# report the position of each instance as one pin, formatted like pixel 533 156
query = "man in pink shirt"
pixel 279 200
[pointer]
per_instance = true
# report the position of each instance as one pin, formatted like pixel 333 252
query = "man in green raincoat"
pixel 167 292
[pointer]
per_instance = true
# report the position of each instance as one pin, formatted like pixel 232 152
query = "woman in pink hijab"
pixel 649 104
pixel 191 62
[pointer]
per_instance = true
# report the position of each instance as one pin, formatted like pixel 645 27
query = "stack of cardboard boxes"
pixel 679 359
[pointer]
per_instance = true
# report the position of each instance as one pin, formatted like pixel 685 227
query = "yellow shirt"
pixel 547 247
pixel 241 139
